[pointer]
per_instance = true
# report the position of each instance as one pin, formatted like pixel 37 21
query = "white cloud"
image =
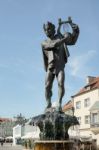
pixel 78 64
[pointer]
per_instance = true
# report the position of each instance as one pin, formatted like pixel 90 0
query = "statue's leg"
pixel 61 89
pixel 48 87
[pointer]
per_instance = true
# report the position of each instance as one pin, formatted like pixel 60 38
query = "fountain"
pixel 54 130
pixel 54 123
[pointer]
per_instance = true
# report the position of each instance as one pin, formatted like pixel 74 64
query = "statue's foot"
pixel 48 108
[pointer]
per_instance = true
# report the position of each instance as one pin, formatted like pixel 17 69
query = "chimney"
pixel 90 79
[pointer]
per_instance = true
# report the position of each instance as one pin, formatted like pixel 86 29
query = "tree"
pixel 20 119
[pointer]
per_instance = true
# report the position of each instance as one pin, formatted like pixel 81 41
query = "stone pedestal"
pixel 53 145
pixel 54 125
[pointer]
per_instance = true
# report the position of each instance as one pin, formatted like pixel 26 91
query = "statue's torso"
pixel 56 56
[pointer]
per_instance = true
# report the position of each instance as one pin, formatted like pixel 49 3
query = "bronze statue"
pixel 55 53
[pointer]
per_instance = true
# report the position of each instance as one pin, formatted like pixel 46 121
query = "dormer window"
pixel 87 87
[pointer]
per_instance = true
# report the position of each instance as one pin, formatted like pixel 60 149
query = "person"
pixel 2 143
pixel 55 55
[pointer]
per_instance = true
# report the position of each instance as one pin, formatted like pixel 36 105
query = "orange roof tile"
pixel 94 84
pixel 68 105
pixel 5 119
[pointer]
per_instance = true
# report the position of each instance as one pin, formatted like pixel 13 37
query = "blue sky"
pixel 22 72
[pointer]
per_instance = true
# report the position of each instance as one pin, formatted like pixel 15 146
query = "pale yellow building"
pixel 86 108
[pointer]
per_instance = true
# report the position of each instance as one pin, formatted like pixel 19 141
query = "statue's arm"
pixel 64 39
pixel 68 39
pixel 74 35
pixel 53 44
pixel 48 45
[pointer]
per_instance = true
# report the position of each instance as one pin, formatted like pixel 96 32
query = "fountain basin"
pixel 53 145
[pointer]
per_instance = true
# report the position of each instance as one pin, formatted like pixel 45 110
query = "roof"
pixel 4 119
pixel 95 106
pixel 68 105
pixel 94 84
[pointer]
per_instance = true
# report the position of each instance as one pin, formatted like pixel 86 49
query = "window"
pixel 78 105
pixel 79 119
pixel 95 118
pixel 87 102
pixel 87 119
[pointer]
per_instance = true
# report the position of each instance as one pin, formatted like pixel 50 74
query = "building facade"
pixel 6 127
pixel 86 108
pixel 86 105
pixel 68 108
pixel 25 131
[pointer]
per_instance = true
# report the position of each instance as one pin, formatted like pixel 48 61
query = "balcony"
pixel 94 127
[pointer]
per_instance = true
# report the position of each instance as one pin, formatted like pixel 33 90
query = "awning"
pixel 86 138
pixel 9 137
pixel 95 106
pixel 1 138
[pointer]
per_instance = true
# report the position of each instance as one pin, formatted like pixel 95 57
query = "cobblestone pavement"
pixel 10 147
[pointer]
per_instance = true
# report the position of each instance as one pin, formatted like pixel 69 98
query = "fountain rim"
pixel 53 141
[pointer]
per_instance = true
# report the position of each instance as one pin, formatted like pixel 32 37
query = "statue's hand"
pixel 74 26
pixel 66 35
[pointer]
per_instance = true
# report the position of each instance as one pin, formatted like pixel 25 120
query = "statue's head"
pixel 49 29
